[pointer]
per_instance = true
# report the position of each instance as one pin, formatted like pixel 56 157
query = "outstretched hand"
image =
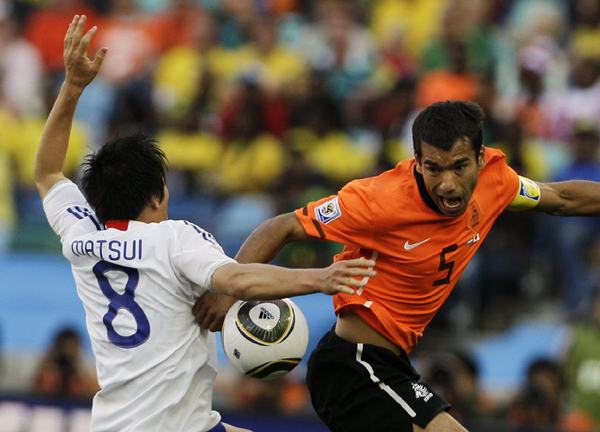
pixel 79 69
pixel 340 276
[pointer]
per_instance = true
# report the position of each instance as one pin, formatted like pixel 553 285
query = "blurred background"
pixel 264 105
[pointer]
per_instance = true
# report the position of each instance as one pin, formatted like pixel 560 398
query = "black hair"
pixel 443 123
pixel 123 176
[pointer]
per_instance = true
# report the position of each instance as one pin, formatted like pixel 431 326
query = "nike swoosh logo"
pixel 409 246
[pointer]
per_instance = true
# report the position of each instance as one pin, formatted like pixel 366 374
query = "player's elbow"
pixel 233 280
pixel 239 289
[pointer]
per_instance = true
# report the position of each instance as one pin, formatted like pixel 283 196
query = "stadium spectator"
pixel 178 23
pixel 44 29
pixel 531 410
pixel 455 376
pixel 577 103
pixel 467 23
pixel 341 47
pixel 135 37
pixel 21 71
pixel 524 153
pixel 569 238
pixel 234 21
pixel 414 23
pixel 585 34
pixel 192 80
pixel 278 69
pixel 155 366
pixel 443 202
pixel 539 403
pixel 582 362
pixel 63 372
pixel 253 157
pixel 453 83
pixel 323 138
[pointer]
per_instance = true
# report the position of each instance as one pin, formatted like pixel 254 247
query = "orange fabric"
pixel 442 85
pixel 133 46
pixel 378 215
pixel 46 29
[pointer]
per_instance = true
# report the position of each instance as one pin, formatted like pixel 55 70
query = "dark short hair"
pixel 443 123
pixel 123 176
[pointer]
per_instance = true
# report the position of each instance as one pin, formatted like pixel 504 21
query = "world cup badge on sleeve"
pixel 529 189
pixel 328 211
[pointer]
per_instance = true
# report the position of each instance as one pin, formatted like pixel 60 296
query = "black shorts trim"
pixel 361 387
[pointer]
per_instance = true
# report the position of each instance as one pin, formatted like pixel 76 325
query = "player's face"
pixel 450 176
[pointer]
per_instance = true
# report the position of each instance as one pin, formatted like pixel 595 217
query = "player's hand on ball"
pixel 341 276
pixel 210 310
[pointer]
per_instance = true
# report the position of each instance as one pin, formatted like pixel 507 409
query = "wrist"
pixel 71 90
pixel 317 280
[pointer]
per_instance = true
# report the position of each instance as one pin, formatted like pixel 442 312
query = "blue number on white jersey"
pixel 122 301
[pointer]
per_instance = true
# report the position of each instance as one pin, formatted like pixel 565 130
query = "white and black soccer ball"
pixel 265 339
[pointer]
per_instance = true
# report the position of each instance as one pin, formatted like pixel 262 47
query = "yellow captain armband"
pixel 528 195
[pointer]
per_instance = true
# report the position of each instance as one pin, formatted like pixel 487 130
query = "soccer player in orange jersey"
pixel 421 223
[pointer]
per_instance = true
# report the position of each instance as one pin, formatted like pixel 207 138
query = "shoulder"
pixel 186 231
pixel 177 226
pixel 60 188
pixel 494 157
pixel 496 167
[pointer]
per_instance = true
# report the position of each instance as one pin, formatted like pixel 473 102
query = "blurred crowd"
pixel 263 105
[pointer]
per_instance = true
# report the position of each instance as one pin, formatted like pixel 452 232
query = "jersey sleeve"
pixel 198 255
pixel 65 206
pixel 345 218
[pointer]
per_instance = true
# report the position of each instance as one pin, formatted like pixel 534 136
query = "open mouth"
pixel 450 203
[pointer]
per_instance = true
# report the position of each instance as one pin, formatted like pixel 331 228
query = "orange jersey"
pixel 419 253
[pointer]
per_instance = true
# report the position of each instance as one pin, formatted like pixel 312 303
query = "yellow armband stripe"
pixel 528 195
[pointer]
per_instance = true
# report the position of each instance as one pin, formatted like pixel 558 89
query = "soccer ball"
pixel 265 339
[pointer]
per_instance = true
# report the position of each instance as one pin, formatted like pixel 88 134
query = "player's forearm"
pixel 52 149
pixel 268 239
pixel 266 282
pixel 575 198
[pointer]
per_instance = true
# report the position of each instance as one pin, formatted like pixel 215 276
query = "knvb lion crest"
pixel 475 214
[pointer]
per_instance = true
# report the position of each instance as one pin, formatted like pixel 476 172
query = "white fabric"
pixel 161 381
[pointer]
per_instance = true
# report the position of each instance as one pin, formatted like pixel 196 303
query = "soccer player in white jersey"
pixel 138 273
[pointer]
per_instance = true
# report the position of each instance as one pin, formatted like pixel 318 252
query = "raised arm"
pixel 569 198
pixel 270 237
pixel 79 72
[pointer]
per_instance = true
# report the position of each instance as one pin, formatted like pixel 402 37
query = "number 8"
pixel 122 301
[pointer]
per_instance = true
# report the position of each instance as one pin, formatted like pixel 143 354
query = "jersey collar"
pixel 121 225
pixel 423 192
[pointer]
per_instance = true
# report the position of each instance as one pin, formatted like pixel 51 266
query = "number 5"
pixel 446 265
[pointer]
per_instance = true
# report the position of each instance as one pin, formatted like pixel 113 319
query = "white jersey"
pixel 138 283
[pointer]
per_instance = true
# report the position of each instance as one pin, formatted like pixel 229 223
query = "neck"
pixel 151 215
